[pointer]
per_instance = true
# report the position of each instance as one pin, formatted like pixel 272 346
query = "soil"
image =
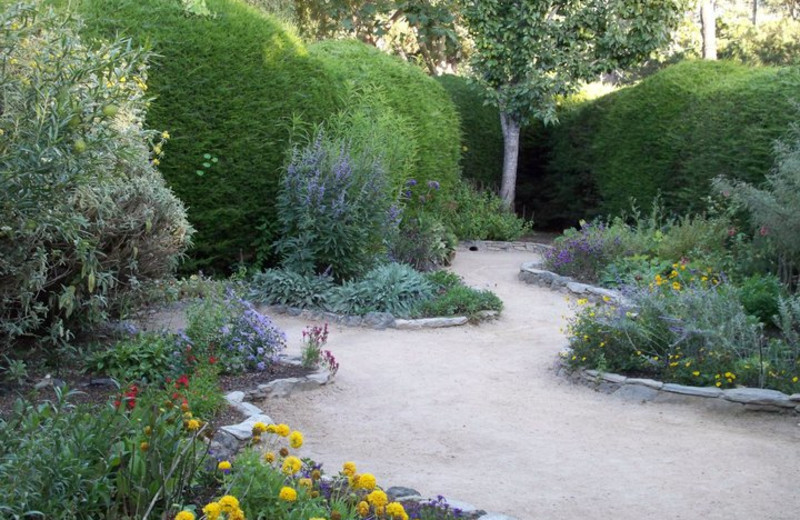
pixel 476 413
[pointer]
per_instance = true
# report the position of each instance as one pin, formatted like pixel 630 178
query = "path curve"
pixel 477 414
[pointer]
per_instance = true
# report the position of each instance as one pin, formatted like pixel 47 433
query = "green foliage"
pixel 672 134
pixel 632 270
pixel 411 95
pixel 460 300
pixel 393 288
pixel 223 85
pixel 772 42
pixel 760 295
pixel 85 216
pixel 481 215
pixel 424 243
pixel 481 135
pixel 287 287
pixel 145 357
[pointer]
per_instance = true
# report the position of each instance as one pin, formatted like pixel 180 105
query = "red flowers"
pixel 182 382
pixel 128 397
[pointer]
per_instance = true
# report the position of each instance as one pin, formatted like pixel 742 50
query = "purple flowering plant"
pixel 584 253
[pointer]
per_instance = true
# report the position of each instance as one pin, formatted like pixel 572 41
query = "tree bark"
pixel 755 13
pixel 511 129
pixel 708 20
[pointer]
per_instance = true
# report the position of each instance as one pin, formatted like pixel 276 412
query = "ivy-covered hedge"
pixel 226 85
pixel 410 94
pixel 481 135
pixel 672 133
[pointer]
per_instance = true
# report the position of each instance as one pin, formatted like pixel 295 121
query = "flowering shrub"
pixel 584 253
pixel 233 332
pixel 314 338
pixel 335 210
pixel 686 327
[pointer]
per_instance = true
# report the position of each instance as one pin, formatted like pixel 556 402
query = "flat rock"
pixel 244 430
pixel 613 378
pixel 763 408
pixel 234 397
pixel 488 315
pixel 294 311
pixel 650 383
pixel 694 391
pixel 760 396
pixel 378 320
pixel 279 387
pixel 430 323
pixel 321 377
pixel 577 288
pixel 396 493
pixel 352 321
pixel 636 393
pixel 794 397
pixel 248 409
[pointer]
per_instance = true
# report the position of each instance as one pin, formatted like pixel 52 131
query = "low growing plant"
pixel 144 357
pixel 393 288
pixel 460 300
pixel 287 287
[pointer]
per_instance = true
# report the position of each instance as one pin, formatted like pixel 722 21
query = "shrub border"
pixel 752 399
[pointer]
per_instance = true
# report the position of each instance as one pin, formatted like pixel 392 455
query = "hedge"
pixel 672 133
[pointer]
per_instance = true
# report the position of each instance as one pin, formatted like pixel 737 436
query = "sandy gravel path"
pixel 476 413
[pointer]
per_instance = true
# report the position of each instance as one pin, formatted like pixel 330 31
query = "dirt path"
pixel 475 413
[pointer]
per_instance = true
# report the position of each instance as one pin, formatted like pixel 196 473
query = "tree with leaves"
pixel 531 53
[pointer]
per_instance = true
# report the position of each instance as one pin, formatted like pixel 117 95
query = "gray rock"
pixel 794 397
pixel 244 430
pixel 234 397
pixel 672 398
pixel 594 374
pixel 320 377
pixel 577 288
pixel 352 321
pixel 487 315
pixel 636 393
pixel 294 311
pixel 397 493
pixel 430 323
pixel 650 383
pixel 797 409
pixel 613 378
pixel 763 408
pixel 226 440
pixel 607 388
pixel 102 382
pixel 496 516
pixel 279 387
pixel 758 396
pixel 378 320
pixel 248 409
pixel 694 391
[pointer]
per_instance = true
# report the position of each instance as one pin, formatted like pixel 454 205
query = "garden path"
pixel 477 414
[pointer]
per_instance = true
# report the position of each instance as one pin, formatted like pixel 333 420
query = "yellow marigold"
pixel 367 481
pixel 287 494
pixel 676 286
pixel 349 468
pixel 291 465
pixel 305 483
pixel 296 439
pixel 164 135
pixel 259 428
pixel 144 446
pixel 696 373
pixel 224 465
pixel 673 274
pixel 353 481
pixel 212 511
pixel 282 430
pixel 184 515
pixel 377 498
pixel 363 508
pixel 236 514
pixel 228 503
pixel 395 510
pixel 271 428
pixel 192 425
pixel 269 457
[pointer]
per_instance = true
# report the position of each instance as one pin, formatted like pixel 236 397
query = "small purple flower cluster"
pixel 583 253
pixel 434 509
pixel 252 339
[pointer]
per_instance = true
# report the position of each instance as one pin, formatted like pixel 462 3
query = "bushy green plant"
pixel 760 296
pixel 460 300
pixel 771 42
pixel 481 215
pixel 85 215
pixel 423 242
pixel 584 253
pixel 145 357
pixel 393 288
pixel 287 287
pixel 632 270
pixel 443 279
pixel 335 210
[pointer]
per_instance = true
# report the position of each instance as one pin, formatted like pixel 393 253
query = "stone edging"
pixel 228 440
pixel 530 273
pixel 640 390
pixel 374 320
pixel 493 245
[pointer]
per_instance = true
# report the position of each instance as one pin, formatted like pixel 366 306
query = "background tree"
pixel 530 53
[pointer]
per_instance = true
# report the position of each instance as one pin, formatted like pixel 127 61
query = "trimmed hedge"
pixel 481 135
pixel 672 133
pixel 410 94
pixel 225 86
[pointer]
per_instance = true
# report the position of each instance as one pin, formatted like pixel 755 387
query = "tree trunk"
pixel 511 127
pixel 755 13
pixel 708 20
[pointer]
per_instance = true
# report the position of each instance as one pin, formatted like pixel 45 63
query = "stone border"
pixel 642 390
pixel 373 320
pixel 530 273
pixel 493 245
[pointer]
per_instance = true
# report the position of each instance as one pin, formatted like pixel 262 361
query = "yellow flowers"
pixel 349 468
pixel 192 425
pixel 367 481
pixel 377 498
pixel 212 511
pixel 396 510
pixel 696 373
pixel 296 439
pixel 144 446
pixel 224 465
pixel 184 515
pixel 287 494
pixel 228 503
pixel 659 280
pixel 305 483
pixel 165 135
pixel 291 465
pixel 282 430
pixel 583 301
pixel 269 457
pixel 363 508
pixel 259 428
pixel 676 286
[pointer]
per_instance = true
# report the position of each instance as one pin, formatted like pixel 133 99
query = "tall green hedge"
pixel 481 135
pixel 224 85
pixel 672 133
pixel 411 94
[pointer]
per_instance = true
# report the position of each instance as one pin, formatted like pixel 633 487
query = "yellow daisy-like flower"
pixel 184 515
pixel 696 373
pixel 305 483
pixel 794 379
pixel 269 457
pixel 291 465
pixel 676 286
pixel 395 510
pixel 259 428
pixel 212 511
pixel 363 508
pixel 353 481
pixel 296 439
pixel 192 425
pixel 287 494
pixel 377 498
pixel 224 466
pixel 236 514
pixel 673 274
pixel 583 301
pixel 164 135
pixel 367 481
pixel 282 430
pixel 144 446
pixel 349 468
pixel 271 428
pixel 156 162
pixel 228 503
